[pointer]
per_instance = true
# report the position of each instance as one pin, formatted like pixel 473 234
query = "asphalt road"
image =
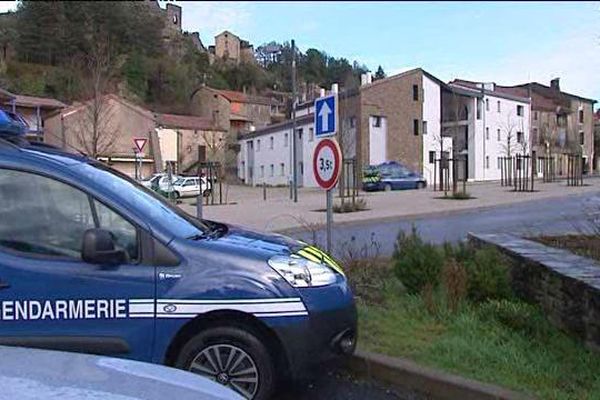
pixel 548 216
pixel 337 384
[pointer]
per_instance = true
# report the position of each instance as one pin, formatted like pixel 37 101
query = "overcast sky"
pixel 504 42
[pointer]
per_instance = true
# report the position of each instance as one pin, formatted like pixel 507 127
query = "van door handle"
pixel 4 285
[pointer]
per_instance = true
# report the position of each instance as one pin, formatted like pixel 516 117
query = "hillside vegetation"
pixel 60 46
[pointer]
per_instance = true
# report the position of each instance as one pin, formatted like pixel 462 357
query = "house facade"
pixel 561 123
pixel 169 138
pixel 34 110
pixel 236 111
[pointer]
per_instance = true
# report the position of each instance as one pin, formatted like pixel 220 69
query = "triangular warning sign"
pixel 140 143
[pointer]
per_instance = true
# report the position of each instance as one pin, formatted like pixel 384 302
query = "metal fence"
pixel 574 170
pixel 348 183
pixel 448 173
pixel 518 172
pixel 547 168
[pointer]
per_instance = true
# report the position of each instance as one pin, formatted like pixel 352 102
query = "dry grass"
pixel 583 245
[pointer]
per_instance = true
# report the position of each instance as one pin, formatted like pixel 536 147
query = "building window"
pixel 432 157
pixel 487 104
pixel 534 132
pixel 311 134
pixel 416 92
pixel 499 136
pixel 285 140
pixel 581 117
pixel 262 171
pixel 376 121
pixel 416 127
pixel 272 171
pixel 487 133
pixel 271 142
pixel 282 169
pixel 424 127
pixel 498 105
pixel 520 111
pixel 581 138
pixel 352 122
pixel 478 109
pixel 535 115
pixel 519 137
pixel 487 162
pixel 258 145
pixel 300 134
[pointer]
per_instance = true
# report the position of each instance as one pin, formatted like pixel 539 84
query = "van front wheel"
pixel 232 357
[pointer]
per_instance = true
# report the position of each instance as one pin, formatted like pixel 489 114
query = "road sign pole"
pixel 329 219
pixel 294 150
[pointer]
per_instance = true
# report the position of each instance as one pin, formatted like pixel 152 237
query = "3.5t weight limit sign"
pixel 326 163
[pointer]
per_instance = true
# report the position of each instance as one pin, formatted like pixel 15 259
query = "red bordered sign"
pixel 326 163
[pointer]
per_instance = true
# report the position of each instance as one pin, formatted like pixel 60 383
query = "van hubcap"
pixel 230 366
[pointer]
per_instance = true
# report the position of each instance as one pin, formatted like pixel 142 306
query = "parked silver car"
pixel 30 374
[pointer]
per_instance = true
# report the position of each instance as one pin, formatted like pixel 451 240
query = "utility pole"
pixel 294 155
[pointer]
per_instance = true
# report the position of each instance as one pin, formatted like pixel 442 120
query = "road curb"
pixel 433 383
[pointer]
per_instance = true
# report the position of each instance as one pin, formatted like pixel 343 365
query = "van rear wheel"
pixel 232 357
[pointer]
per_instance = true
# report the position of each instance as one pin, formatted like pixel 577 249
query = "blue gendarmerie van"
pixel 91 261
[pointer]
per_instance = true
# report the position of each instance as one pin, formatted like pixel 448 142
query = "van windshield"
pixel 151 205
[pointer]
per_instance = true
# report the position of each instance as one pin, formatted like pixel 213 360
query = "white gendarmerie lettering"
pixel 27 310
pixel 64 310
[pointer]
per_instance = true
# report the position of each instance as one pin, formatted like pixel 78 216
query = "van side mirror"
pixel 99 248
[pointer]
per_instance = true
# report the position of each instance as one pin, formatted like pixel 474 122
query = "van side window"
pixel 42 216
pixel 124 234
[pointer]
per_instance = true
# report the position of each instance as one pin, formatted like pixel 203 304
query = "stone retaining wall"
pixel 565 285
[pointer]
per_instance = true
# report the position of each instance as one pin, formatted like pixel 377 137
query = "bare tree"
pixel 96 134
pixel 510 129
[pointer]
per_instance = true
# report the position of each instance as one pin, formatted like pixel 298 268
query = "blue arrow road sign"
pixel 325 116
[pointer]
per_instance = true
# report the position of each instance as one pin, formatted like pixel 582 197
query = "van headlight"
pixel 300 272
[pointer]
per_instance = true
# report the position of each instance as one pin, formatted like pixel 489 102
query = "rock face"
pixel 565 285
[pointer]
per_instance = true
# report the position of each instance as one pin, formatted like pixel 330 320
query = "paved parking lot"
pixel 247 206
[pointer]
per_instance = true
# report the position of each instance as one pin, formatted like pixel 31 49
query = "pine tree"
pixel 380 74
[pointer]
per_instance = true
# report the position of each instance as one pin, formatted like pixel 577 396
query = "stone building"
pixel 230 47
pixel 562 123
pixel 236 111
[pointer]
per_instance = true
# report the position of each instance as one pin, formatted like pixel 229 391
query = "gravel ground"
pixel 339 384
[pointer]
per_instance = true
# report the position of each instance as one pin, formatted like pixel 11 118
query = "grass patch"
pixel 457 196
pixel 583 245
pixel 451 308
pixel 534 358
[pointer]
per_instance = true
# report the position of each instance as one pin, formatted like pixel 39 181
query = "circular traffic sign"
pixel 326 163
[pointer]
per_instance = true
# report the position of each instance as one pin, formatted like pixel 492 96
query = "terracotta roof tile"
pixel 185 122
pixel 42 102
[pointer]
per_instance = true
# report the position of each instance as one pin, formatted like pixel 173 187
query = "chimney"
pixel 555 83
pixel 369 78
pixel 363 79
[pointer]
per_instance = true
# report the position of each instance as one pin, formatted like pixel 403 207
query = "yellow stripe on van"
pixel 317 255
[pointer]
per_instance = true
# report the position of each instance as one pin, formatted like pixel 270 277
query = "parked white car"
pixel 190 187
pixel 159 181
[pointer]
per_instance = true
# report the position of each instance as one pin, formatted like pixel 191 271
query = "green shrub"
pixel 488 275
pixel 370 280
pixel 517 316
pixel 416 263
